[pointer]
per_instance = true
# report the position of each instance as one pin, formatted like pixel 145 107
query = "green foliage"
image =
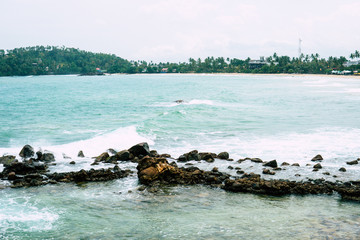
pixel 42 60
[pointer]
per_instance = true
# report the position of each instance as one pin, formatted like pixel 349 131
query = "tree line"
pixel 41 60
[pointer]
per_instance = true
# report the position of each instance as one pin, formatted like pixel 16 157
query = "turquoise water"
pixel 288 118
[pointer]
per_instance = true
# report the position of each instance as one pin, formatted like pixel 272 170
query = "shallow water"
pixel 271 117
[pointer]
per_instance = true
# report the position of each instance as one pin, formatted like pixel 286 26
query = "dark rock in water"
pixel 193 155
pixel 352 162
pixel 285 164
pixel 140 149
pixel 111 159
pixel 223 155
pixel 24 168
pixel 342 169
pixel 210 160
pixel 326 173
pixel 230 167
pixel 182 158
pixel 11 176
pixel 295 165
pixel 240 172
pixel 81 154
pixel 237 168
pixel 7 160
pixel 189 164
pixel 272 163
pixel 297 175
pixel 179 101
pixel 154 153
pixel 207 155
pixel 39 155
pixel 317 158
pixel 255 160
pixel 72 162
pixel 230 159
pixel 317 166
pixel 102 157
pixel 267 171
pixel 123 155
pixel 27 151
pixel 165 155
pixel 47 157
pixel 94 163
pixel 308 165
pixel 215 169
pixel 111 151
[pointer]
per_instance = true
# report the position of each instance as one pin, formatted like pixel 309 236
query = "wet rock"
pixel 255 160
pixel 11 176
pixel 352 162
pixel 47 157
pixel 272 163
pixel 27 151
pixel 7 160
pixel 111 151
pixel 189 164
pixel 297 175
pixel 308 165
pixel 72 162
pixel 277 169
pixel 182 158
pixel 237 168
pixel 102 157
pixel 230 159
pixel 285 164
pixel 317 166
pixel 81 154
pixel 111 159
pixel 317 158
pixel 240 172
pixel 207 155
pixel 326 173
pixel 295 165
pixel 223 155
pixel 193 155
pixel 165 155
pixel 267 171
pixel 215 169
pixel 38 155
pixel 154 153
pixel 210 160
pixel 342 169
pixel 140 149
pixel 123 155
pixel 23 168
pixel 230 167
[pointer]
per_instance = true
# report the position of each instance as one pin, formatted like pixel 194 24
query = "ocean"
pixel 289 118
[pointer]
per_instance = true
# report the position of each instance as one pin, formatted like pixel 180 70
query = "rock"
pixel 23 168
pixel 81 154
pixel 215 169
pixel 39 155
pixel 285 164
pixel 230 159
pixel 342 169
pixel 27 151
pixel 165 155
pixel 317 166
pixel 230 167
pixel 102 157
pixel 326 173
pixel 240 172
pixel 7 160
pixel 223 155
pixel 210 160
pixel 267 171
pixel 271 163
pixel 193 155
pixel 111 151
pixel 352 162
pixel 255 160
pixel 295 165
pixel 140 149
pixel 72 162
pixel 182 158
pixel 308 165
pixel 123 155
pixel 47 157
pixel 179 101
pixel 297 175
pixel 207 155
pixel 317 158
pixel 11 176
pixel 154 153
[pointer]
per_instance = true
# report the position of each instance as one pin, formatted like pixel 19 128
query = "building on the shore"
pixel 164 70
pixel 258 63
pixel 351 63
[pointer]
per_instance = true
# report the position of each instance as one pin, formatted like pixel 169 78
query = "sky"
pixel 175 30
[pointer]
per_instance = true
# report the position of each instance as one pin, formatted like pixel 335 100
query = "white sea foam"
pixel 122 138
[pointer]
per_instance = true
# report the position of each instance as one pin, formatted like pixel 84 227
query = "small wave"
pixel 199 102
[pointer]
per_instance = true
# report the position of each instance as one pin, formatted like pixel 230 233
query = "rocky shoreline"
pixel 154 171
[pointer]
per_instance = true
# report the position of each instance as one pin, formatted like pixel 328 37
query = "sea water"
pixel 287 118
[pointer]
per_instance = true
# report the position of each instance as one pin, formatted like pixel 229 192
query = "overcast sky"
pixel 175 30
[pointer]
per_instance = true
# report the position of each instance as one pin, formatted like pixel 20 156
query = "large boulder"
pixel 102 157
pixel 140 149
pixel 272 163
pixel 27 151
pixel 81 154
pixel 47 157
pixel 317 158
pixel 223 155
pixel 123 155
